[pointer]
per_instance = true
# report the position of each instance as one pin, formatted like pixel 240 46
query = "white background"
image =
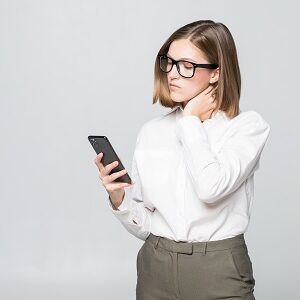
pixel 69 69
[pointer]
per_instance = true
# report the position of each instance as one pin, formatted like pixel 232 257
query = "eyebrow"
pixel 184 58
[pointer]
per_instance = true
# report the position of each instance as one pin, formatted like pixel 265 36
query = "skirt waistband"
pixel 190 247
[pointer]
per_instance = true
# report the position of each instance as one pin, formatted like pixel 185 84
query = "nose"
pixel 174 72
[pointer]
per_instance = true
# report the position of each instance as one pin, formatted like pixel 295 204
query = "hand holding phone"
pixel 113 175
pixel 102 144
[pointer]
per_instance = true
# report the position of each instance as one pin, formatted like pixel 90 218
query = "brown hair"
pixel 216 42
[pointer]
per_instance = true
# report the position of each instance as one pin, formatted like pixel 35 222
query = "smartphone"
pixel 101 143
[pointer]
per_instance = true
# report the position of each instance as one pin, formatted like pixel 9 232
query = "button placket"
pixel 180 184
pixel 180 195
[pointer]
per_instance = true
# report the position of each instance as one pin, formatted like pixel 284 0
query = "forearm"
pixel 116 199
pixel 134 216
pixel 220 171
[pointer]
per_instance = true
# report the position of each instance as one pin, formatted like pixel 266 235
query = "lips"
pixel 171 84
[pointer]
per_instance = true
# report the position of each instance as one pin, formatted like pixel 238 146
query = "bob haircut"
pixel 217 44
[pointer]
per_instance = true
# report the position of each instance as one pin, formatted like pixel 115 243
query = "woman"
pixel 193 172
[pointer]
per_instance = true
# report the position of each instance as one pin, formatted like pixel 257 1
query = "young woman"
pixel 193 171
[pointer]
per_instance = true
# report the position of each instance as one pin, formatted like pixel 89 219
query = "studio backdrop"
pixel 69 69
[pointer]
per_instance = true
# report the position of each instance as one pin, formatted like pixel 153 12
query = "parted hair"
pixel 217 44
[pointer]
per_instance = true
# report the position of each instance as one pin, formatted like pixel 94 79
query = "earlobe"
pixel 212 81
pixel 215 76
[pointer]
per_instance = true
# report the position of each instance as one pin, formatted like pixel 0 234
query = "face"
pixel 188 88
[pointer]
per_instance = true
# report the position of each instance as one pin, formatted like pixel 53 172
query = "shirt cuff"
pixel 191 128
pixel 122 207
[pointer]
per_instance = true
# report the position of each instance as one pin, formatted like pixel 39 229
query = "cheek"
pixel 191 87
pixel 195 85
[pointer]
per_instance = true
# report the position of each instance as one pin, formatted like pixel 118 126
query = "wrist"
pixel 185 114
pixel 114 206
pixel 114 200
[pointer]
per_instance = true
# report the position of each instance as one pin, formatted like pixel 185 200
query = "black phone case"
pixel 101 144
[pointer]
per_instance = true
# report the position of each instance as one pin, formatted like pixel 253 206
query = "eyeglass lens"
pixel 186 69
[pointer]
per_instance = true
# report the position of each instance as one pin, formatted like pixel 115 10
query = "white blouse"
pixel 194 181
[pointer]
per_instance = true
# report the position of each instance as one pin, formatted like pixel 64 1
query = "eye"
pixel 187 65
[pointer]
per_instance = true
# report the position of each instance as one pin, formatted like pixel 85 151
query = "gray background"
pixel 69 69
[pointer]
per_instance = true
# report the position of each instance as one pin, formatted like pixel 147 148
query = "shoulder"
pixel 146 128
pixel 149 129
pixel 156 121
pixel 150 123
pixel 249 119
pixel 248 125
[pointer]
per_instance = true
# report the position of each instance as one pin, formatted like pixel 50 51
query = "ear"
pixel 214 77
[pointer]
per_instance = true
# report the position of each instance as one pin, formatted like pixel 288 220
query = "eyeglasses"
pixel 185 68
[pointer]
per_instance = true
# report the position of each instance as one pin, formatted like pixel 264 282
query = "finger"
pixel 208 89
pixel 112 177
pixel 101 179
pixel 104 170
pixel 111 187
pixel 213 106
pixel 212 98
pixel 109 167
pixel 98 161
pixel 115 175
pixel 212 91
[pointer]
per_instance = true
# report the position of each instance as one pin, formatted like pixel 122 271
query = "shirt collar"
pixel 179 110
pixel 174 108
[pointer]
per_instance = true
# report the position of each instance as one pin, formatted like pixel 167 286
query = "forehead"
pixel 183 48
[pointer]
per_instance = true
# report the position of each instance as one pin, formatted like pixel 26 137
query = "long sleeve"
pixel 132 213
pixel 216 174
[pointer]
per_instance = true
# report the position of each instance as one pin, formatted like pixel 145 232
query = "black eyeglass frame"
pixel 175 62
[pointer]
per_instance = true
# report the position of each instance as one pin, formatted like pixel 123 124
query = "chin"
pixel 179 102
pixel 176 98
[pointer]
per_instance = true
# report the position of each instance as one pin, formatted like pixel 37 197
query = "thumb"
pixel 132 183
